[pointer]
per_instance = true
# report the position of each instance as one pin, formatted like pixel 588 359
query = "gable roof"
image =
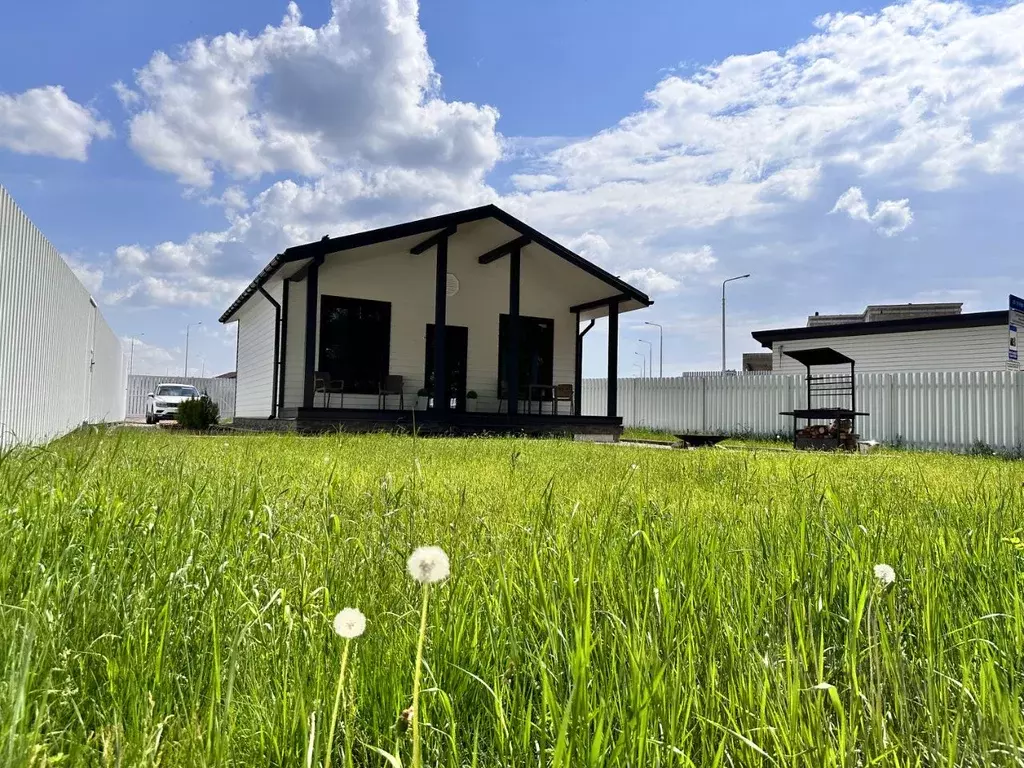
pixel 903 325
pixel 329 245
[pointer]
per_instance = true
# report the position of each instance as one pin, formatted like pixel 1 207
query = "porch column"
pixel 312 305
pixel 512 350
pixel 613 357
pixel 440 321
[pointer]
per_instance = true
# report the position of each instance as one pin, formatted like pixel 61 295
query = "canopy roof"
pixel 819 356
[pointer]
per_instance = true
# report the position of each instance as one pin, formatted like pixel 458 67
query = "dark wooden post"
pixel 613 357
pixel 512 351
pixel 312 304
pixel 440 320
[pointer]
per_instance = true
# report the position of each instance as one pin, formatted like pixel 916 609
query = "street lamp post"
pixel 650 357
pixel 643 364
pixel 187 329
pixel 131 353
pixel 738 277
pixel 661 347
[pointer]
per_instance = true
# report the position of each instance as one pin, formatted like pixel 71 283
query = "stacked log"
pixel 840 430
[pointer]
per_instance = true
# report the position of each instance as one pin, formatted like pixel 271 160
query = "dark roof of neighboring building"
pixel 228 375
pixel 877 312
pixel 330 245
pixel 935 323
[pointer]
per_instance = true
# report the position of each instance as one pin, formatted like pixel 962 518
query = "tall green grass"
pixel 167 600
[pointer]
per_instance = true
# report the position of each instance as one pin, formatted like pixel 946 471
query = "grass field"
pixel 167 600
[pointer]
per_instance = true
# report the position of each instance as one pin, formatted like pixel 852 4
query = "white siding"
pixel 388 272
pixel 954 349
pixel 60 364
pixel 254 388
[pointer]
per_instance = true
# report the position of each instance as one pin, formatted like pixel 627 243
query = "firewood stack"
pixel 840 430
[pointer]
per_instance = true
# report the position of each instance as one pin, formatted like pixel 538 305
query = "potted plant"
pixel 471 401
pixel 421 399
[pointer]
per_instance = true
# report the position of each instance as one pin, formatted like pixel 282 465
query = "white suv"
pixel 164 402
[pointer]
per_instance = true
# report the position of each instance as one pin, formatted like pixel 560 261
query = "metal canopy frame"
pixel 826 386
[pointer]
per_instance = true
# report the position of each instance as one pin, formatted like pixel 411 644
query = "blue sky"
pixel 843 154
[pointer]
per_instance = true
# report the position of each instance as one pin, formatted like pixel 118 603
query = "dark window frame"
pixel 530 329
pixel 364 358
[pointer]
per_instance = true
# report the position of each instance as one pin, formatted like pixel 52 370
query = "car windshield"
pixel 177 391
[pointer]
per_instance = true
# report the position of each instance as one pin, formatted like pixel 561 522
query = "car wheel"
pixel 149 419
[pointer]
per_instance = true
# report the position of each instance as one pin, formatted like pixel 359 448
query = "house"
pixel 326 325
pixel 899 337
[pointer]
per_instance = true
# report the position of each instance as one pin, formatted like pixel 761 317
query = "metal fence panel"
pixel 221 391
pixel 60 364
pixel 930 410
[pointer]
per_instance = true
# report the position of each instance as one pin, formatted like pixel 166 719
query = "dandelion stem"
pixel 337 703
pixel 416 755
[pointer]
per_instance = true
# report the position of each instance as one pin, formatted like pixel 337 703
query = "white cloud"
pixel 701 260
pixel 360 91
pixel 921 93
pixel 889 218
pixel 89 275
pixel 650 280
pixel 44 121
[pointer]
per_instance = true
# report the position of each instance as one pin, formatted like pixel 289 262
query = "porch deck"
pixel 312 420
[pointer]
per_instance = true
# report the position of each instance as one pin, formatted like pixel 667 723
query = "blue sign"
pixel 1016 303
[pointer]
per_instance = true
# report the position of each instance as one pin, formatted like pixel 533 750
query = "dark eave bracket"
pixel 600 303
pixel 433 240
pixel 503 250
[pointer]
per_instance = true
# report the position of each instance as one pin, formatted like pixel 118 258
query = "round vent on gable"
pixel 452 285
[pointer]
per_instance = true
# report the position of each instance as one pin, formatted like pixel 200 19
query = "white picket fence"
pixel 221 391
pixel 935 410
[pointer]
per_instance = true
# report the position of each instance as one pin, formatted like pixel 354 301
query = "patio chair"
pixel 392 385
pixel 563 393
pixel 322 383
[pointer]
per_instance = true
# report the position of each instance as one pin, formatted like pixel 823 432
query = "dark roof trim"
pixel 607 302
pixel 907 325
pixel 433 240
pixel 372 237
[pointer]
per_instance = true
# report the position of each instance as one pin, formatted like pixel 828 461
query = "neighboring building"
pixel 331 322
pixel 901 337
pixel 228 375
pixel 757 362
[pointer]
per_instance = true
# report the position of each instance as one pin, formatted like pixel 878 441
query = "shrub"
pixel 200 413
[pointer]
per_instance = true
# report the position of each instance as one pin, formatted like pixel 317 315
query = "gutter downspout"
pixel 277 348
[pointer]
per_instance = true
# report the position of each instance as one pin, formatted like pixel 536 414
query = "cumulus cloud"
pixel 361 90
pixel 889 218
pixel 45 121
pixel 922 94
pixel 650 280
pixel 89 275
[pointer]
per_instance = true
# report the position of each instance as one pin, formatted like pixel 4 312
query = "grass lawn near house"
pixel 166 599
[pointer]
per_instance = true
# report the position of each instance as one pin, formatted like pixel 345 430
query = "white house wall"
pixel 60 364
pixel 388 272
pixel 254 390
pixel 954 349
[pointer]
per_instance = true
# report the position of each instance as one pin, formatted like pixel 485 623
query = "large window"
pixel 536 353
pixel 355 342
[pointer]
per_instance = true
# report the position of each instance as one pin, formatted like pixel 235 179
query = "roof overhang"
pixel 281 266
pixel 938 323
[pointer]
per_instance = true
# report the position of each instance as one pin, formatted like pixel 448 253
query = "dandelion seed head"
pixel 349 623
pixel 884 574
pixel 429 565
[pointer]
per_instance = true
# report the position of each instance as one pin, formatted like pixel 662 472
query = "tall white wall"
pixel 935 410
pixel 60 364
